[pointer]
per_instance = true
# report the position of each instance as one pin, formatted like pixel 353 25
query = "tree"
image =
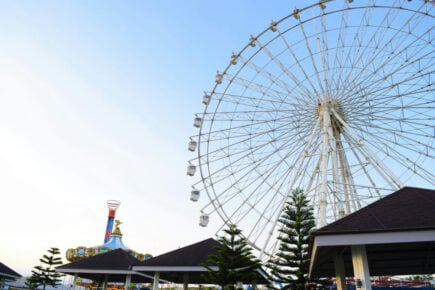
pixel 424 277
pixel 234 261
pixel 290 267
pixel 45 274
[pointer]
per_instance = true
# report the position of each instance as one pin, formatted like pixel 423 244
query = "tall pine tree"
pixel 234 261
pixel 45 274
pixel 290 267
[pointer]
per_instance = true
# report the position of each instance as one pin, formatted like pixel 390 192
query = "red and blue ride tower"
pixel 112 240
pixel 113 206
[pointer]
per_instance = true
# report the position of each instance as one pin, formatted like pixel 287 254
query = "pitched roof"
pixel 192 255
pixel 6 272
pixel 114 260
pixel 185 263
pixel 409 208
pixel 398 233
pixel 115 265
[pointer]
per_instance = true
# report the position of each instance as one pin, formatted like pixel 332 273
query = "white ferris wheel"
pixel 337 99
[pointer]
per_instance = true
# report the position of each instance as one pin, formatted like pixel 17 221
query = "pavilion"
pixel 184 265
pixel 113 266
pixel 393 236
pixel 7 274
pixel 180 266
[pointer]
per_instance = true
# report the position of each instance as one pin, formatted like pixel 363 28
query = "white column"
pixel 361 267
pixel 76 277
pixel 186 281
pixel 106 279
pixel 127 281
pixel 156 281
pixel 340 273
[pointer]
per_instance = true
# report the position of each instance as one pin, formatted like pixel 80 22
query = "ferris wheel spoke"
pixel 278 87
pixel 268 102
pixel 299 89
pixel 252 208
pixel 417 101
pixel 301 68
pixel 311 55
pixel 401 158
pixel 395 71
pixel 385 125
pixel 369 152
pixel 272 92
pixel 363 66
pixel 364 161
pixel 357 42
pixel 301 166
pixel 223 134
pixel 259 162
pixel 323 47
pixel 336 74
pixel 380 33
pixel 397 50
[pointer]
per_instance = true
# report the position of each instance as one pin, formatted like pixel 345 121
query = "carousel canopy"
pixel 115 242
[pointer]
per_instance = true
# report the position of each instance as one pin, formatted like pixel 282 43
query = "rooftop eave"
pixel 171 269
pixel 9 276
pixel 96 271
pixel 373 231
pixel 345 239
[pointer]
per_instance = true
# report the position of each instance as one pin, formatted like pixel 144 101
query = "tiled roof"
pixel 7 272
pixel 113 260
pixel 184 262
pixel 409 208
pixel 192 255
pixel 114 266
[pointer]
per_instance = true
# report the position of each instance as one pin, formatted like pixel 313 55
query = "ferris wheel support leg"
pixel 378 162
pixel 345 177
pixel 324 168
pixel 350 194
pixel 337 189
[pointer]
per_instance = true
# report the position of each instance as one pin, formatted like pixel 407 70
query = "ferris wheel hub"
pixel 330 105
pixel 327 104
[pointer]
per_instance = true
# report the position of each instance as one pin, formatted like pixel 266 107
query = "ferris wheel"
pixel 336 99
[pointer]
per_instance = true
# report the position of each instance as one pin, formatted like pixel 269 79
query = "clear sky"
pixel 97 100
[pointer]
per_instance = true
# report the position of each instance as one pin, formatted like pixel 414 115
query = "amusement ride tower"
pixel 112 240
pixel 113 206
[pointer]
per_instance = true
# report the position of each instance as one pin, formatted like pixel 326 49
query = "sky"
pixel 97 100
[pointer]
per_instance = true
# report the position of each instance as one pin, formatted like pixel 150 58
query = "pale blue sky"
pixel 97 100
